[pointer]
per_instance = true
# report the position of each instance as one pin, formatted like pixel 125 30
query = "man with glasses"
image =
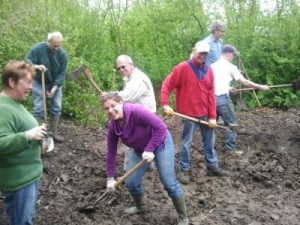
pixel 137 85
pixel 50 58
pixel 215 42
pixel 224 72
pixel 195 97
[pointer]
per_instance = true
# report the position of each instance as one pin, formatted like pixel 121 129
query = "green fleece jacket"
pixel 56 63
pixel 20 160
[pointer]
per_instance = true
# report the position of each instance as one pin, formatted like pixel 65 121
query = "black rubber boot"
pixel 180 207
pixel 140 205
pixel 53 128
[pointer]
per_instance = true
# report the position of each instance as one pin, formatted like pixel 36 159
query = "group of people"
pixel 202 85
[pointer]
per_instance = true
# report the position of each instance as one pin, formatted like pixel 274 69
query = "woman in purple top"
pixel 148 136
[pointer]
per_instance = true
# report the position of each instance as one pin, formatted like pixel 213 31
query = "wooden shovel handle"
pixel 122 179
pixel 126 175
pixel 271 86
pixel 197 120
pixel 89 76
pixel 44 96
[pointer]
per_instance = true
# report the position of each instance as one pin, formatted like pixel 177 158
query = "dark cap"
pixel 230 49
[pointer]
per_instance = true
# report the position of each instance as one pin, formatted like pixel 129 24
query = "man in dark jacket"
pixel 52 59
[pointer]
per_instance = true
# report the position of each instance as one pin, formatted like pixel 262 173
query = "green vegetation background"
pixel 157 35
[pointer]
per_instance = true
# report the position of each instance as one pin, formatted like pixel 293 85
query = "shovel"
pixel 92 208
pixel 48 143
pixel 230 127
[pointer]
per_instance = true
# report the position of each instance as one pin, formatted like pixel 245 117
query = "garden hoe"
pixel 92 208
pixel 83 69
pixel 47 143
pixel 227 128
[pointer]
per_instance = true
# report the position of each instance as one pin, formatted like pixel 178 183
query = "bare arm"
pixel 243 81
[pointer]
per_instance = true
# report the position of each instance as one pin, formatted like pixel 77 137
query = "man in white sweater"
pixel 137 85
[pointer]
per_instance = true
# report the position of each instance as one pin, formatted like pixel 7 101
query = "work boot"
pixel 185 177
pixel 217 171
pixel 180 207
pixel 53 128
pixel 140 205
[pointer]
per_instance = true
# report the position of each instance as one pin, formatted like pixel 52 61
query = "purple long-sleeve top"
pixel 142 131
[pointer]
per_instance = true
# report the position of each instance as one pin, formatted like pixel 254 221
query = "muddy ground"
pixel 263 189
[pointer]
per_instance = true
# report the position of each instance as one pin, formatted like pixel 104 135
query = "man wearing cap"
pixel 224 72
pixel 195 97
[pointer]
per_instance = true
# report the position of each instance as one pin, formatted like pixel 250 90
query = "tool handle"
pixel 44 96
pixel 122 179
pixel 126 175
pixel 197 121
pixel 271 86
pixel 88 75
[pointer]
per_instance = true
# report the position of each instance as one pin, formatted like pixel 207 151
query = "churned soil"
pixel 263 188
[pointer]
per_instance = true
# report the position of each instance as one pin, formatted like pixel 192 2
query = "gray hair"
pixel 216 26
pixel 55 34
pixel 124 58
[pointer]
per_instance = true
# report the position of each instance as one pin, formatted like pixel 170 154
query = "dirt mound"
pixel 263 189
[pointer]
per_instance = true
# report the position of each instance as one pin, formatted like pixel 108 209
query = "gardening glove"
pixel 52 92
pixel 212 123
pixel 168 110
pixel 148 155
pixel 36 133
pixel 111 184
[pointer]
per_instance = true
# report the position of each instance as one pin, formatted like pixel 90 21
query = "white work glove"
pixel 168 110
pixel 212 123
pixel 148 155
pixel 52 92
pixel 111 184
pixel 36 133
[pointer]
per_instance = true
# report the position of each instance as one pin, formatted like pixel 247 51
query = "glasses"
pixel 121 68
pixel 222 31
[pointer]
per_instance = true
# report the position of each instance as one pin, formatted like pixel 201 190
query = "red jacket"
pixel 194 96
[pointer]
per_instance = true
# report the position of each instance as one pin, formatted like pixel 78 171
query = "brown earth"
pixel 263 189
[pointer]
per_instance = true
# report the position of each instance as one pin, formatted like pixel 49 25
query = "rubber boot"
pixel 140 205
pixel 180 207
pixel 53 128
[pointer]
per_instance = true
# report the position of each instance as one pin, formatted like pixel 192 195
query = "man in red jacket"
pixel 195 97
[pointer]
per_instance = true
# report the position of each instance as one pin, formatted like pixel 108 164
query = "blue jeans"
pixel 37 95
pixel 189 128
pixel 225 109
pixel 20 205
pixel 164 161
